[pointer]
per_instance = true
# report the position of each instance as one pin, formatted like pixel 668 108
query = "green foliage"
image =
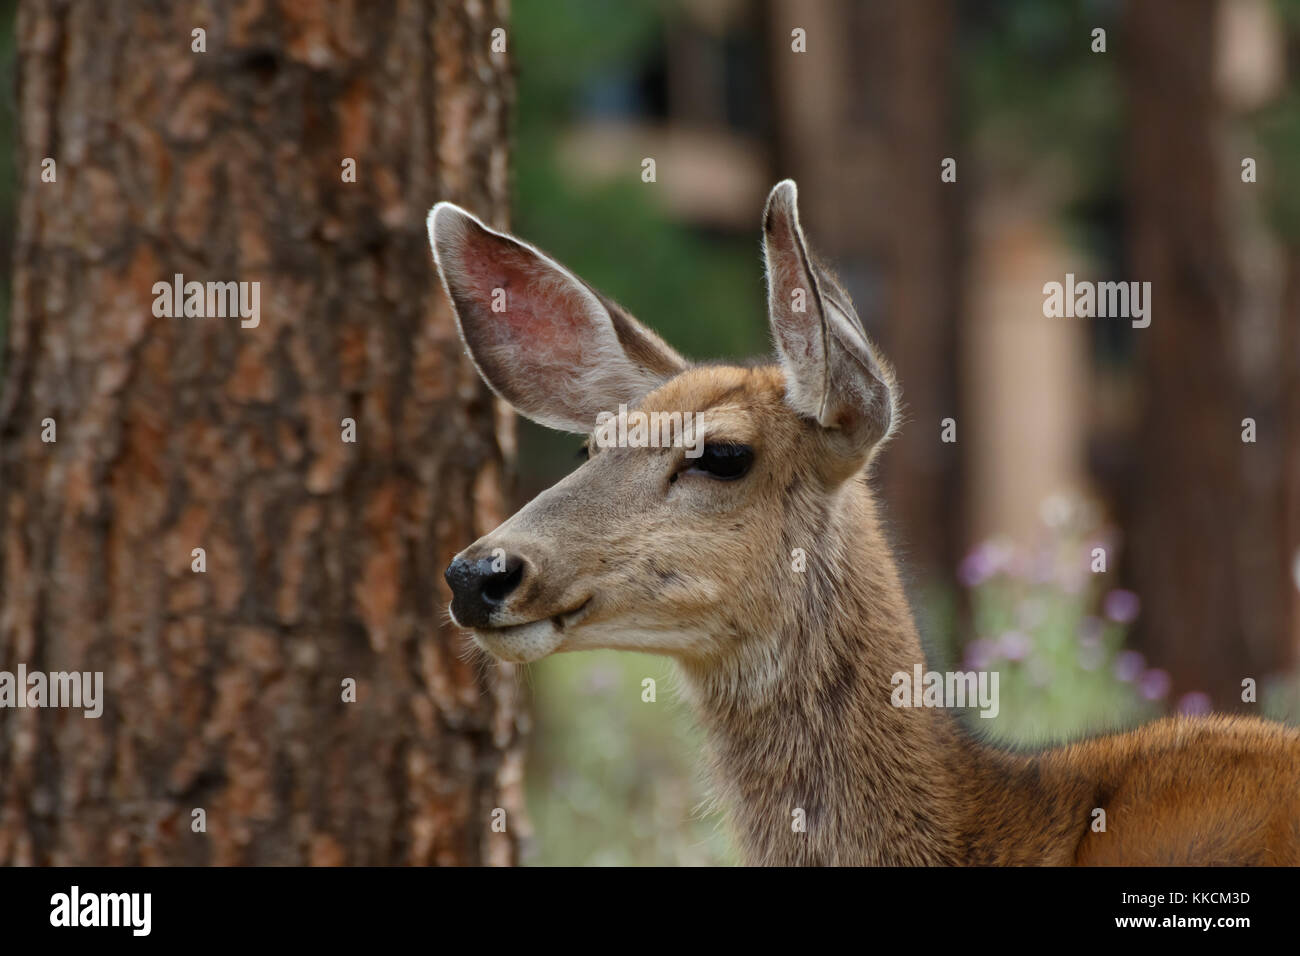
pixel 1063 671
pixel 611 778
pixel 560 44
pixel 1044 620
pixel 1035 94
pixel 1280 698
pixel 1278 129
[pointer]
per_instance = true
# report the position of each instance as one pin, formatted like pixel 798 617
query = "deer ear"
pixel 832 372
pixel 544 340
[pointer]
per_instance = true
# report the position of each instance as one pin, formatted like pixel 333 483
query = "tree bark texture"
pixel 324 558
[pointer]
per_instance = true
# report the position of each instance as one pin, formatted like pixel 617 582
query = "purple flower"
pixel 974 569
pixel 979 654
pixel 985 560
pixel 1128 665
pixel 1013 645
pixel 1154 684
pixel 1122 606
pixel 1195 704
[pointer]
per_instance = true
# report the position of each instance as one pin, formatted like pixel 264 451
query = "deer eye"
pixel 725 461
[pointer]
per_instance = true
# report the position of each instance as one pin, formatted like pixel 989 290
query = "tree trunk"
pixel 1205 517
pixel 224 687
pixel 921 473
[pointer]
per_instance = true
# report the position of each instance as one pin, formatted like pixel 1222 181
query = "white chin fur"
pixel 523 643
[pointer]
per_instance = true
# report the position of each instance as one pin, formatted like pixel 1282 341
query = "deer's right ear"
pixel 545 341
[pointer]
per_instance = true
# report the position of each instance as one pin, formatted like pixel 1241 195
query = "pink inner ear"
pixel 546 317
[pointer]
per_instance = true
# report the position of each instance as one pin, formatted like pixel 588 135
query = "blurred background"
pixel 1107 529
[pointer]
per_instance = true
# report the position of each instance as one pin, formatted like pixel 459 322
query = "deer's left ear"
pixel 832 372
pixel 543 339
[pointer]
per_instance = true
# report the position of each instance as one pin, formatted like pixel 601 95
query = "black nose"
pixel 480 587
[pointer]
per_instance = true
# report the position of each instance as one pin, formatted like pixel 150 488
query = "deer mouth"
pixel 569 618
pixel 521 643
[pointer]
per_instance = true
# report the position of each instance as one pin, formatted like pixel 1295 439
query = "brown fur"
pixel 790 671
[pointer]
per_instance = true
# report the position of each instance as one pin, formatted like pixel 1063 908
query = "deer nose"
pixel 480 587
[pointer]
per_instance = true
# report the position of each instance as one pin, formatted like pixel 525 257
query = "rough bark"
pixel 1205 514
pixel 324 558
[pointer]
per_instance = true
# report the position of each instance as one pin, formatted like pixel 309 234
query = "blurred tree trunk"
pixel 1205 514
pixel 863 120
pixel 323 558
pixel 922 475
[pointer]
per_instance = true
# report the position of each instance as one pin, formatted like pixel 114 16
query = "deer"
pixel 652 549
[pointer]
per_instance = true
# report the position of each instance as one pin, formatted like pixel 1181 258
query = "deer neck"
pixel 813 762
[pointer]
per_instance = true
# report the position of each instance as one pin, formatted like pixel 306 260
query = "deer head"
pixel 682 549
